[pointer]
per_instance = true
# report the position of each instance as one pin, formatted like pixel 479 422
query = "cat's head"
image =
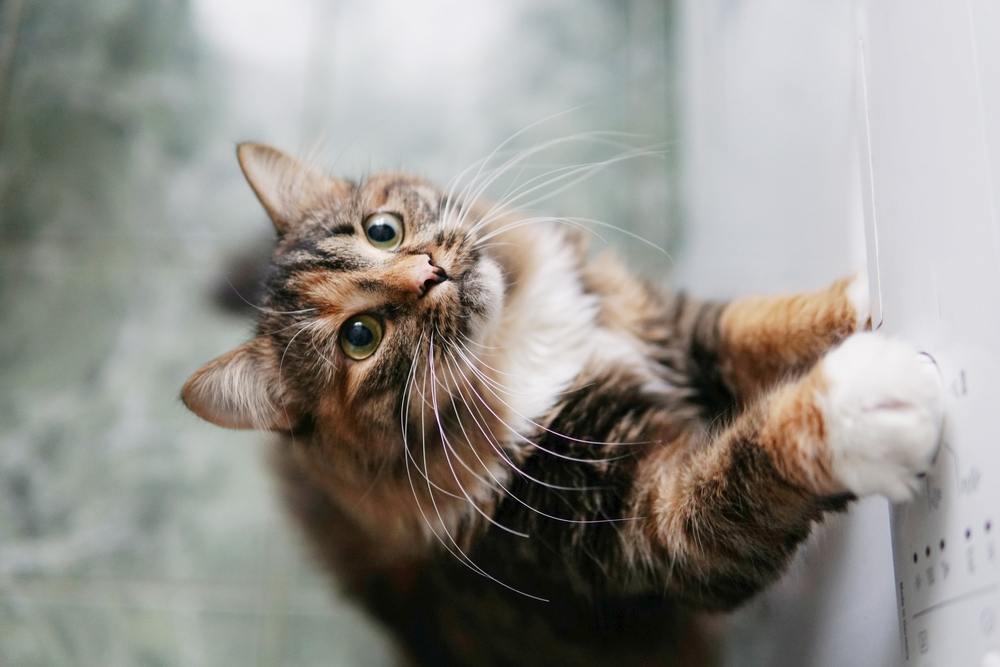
pixel 363 277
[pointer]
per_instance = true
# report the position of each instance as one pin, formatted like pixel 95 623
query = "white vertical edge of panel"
pixel 866 170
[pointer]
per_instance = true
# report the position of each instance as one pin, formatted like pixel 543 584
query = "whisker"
pixel 313 324
pixel 524 222
pixel 482 363
pixel 484 161
pixel 495 244
pixel 405 414
pixel 498 448
pixel 626 232
pixel 461 555
pixel 559 518
pixel 447 446
pixel 481 346
pixel 524 155
pixel 569 177
pixel 281 363
pixel 516 190
pixel 485 378
pixel 269 311
pixel 539 447
pixel 296 323
pixel 577 222
pixel 548 430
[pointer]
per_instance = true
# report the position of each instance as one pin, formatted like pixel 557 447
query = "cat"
pixel 512 452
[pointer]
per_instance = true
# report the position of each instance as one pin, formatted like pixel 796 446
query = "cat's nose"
pixel 418 274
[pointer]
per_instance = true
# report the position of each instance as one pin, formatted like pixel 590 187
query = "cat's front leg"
pixel 727 512
pixel 763 339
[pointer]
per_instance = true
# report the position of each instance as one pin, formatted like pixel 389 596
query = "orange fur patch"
pixel 794 434
pixel 766 338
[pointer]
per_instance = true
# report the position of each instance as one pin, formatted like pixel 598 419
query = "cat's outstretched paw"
pixel 883 411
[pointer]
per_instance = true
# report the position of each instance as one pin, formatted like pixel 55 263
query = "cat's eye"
pixel 384 230
pixel 360 336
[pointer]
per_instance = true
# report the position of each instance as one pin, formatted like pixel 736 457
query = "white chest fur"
pixel 546 333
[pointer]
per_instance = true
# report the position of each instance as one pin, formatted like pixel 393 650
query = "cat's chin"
pixel 441 295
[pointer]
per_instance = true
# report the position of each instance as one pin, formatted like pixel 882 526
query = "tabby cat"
pixel 512 452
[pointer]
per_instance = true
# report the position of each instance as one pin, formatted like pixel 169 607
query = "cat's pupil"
pixel 359 335
pixel 381 232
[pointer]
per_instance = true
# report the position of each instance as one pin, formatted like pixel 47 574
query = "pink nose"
pixel 420 274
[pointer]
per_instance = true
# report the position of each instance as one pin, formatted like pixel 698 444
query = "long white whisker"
pixel 553 516
pixel 404 419
pixel 569 178
pixel 573 221
pixel 517 434
pixel 481 346
pixel 463 558
pixel 331 365
pixel 296 323
pixel 484 377
pixel 262 309
pixel 622 230
pixel 494 440
pixel 484 161
pixel 519 157
pixel 524 155
pixel 460 556
pixel 554 175
pixel 498 448
pixel 447 447
pixel 545 428
pixel 281 364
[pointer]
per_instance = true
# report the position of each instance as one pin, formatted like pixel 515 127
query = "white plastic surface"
pixel 930 107
pixel 772 204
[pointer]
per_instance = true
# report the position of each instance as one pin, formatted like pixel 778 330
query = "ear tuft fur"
pixel 240 389
pixel 286 187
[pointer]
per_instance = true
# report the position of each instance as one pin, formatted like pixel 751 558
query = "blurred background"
pixel 133 534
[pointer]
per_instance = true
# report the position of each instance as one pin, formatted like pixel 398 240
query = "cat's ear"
pixel 240 389
pixel 286 187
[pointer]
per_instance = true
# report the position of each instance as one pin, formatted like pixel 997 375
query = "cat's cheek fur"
pixel 490 283
pixel 882 405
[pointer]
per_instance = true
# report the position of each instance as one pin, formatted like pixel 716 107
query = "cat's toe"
pixel 859 298
pixel 883 406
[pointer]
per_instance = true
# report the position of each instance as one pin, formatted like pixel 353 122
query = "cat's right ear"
pixel 286 187
pixel 241 389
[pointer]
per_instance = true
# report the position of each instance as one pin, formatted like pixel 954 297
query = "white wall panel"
pixel 932 80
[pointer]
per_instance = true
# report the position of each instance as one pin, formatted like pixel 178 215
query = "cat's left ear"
pixel 241 389
pixel 286 187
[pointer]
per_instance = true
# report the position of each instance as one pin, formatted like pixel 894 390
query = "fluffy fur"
pixel 546 460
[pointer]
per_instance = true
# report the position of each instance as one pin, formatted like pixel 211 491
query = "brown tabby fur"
pixel 688 449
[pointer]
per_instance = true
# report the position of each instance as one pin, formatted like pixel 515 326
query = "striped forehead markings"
pixel 342 229
pixel 334 263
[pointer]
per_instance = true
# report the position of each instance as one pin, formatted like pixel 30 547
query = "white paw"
pixel 883 409
pixel 858 295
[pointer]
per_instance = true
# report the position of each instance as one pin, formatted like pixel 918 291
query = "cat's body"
pixel 544 460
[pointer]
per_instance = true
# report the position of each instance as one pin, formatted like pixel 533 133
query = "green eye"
pixel 360 336
pixel 384 230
